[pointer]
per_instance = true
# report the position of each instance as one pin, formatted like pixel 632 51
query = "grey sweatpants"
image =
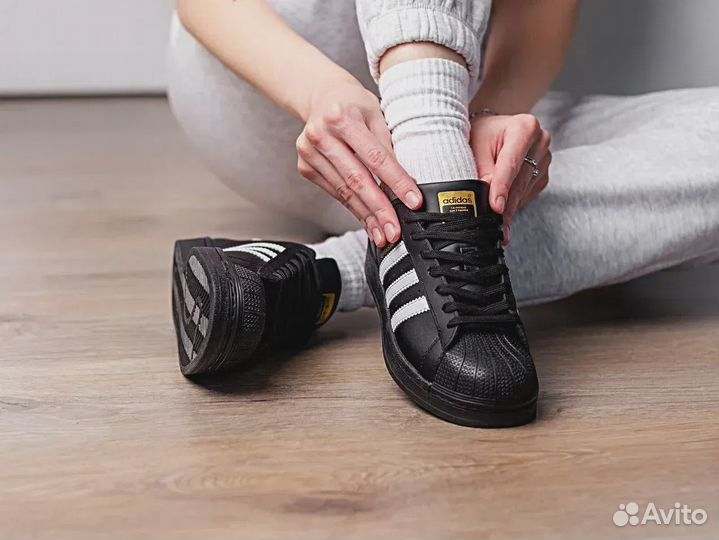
pixel 634 184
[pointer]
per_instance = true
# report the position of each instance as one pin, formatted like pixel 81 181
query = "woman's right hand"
pixel 344 142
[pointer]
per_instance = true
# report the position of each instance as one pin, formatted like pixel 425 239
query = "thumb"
pixel 484 158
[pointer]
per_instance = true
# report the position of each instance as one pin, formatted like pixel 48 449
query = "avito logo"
pixel 679 514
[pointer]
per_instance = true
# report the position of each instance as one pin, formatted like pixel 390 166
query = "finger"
pixel 343 179
pixel 309 172
pixel 519 137
pixel 485 166
pixel 378 127
pixel 540 152
pixel 517 191
pixel 318 170
pixel 545 139
pixel 360 184
pixel 539 184
pixel 381 161
pixel 533 193
pixel 525 179
pixel 374 231
pixel 484 158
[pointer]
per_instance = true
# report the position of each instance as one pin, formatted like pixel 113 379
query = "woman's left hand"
pixel 500 144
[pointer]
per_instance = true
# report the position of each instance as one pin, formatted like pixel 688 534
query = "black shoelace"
pixel 478 263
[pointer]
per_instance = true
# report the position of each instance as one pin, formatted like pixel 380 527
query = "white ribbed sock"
pixel 425 106
pixel 348 251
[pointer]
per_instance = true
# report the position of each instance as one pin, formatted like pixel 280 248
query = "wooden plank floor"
pixel 101 437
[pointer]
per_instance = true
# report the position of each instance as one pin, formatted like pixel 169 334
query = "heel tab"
pixel 329 285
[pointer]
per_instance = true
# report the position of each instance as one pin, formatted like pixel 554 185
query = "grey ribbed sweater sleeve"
pixel 457 24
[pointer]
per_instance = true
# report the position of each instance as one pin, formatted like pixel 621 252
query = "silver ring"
pixel 532 162
pixel 535 167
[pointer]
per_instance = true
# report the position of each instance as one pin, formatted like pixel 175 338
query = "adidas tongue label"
pixel 457 202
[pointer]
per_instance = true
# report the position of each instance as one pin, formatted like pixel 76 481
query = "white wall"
pixel 633 46
pixel 103 46
pixel 83 46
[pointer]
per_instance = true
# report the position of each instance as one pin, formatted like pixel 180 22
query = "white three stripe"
pixel 254 251
pixel 269 245
pixel 402 283
pixel 263 250
pixel 409 310
pixel 397 253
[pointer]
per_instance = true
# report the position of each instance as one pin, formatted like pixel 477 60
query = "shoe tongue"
pixel 469 197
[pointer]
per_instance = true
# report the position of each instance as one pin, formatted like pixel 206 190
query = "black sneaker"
pixel 234 300
pixel 452 337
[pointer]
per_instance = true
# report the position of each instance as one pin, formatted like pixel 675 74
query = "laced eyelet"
pixel 476 239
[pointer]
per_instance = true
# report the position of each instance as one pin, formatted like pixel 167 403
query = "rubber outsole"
pixel 433 398
pixel 218 309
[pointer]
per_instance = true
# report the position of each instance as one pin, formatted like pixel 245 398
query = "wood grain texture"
pixel 101 437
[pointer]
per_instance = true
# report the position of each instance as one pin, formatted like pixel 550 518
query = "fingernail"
pixel 500 202
pixel 377 236
pixel 487 178
pixel 389 231
pixel 412 199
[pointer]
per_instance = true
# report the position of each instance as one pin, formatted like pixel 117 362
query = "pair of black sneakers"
pixel 451 333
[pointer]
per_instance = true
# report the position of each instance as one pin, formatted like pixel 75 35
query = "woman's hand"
pixel 500 143
pixel 345 141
